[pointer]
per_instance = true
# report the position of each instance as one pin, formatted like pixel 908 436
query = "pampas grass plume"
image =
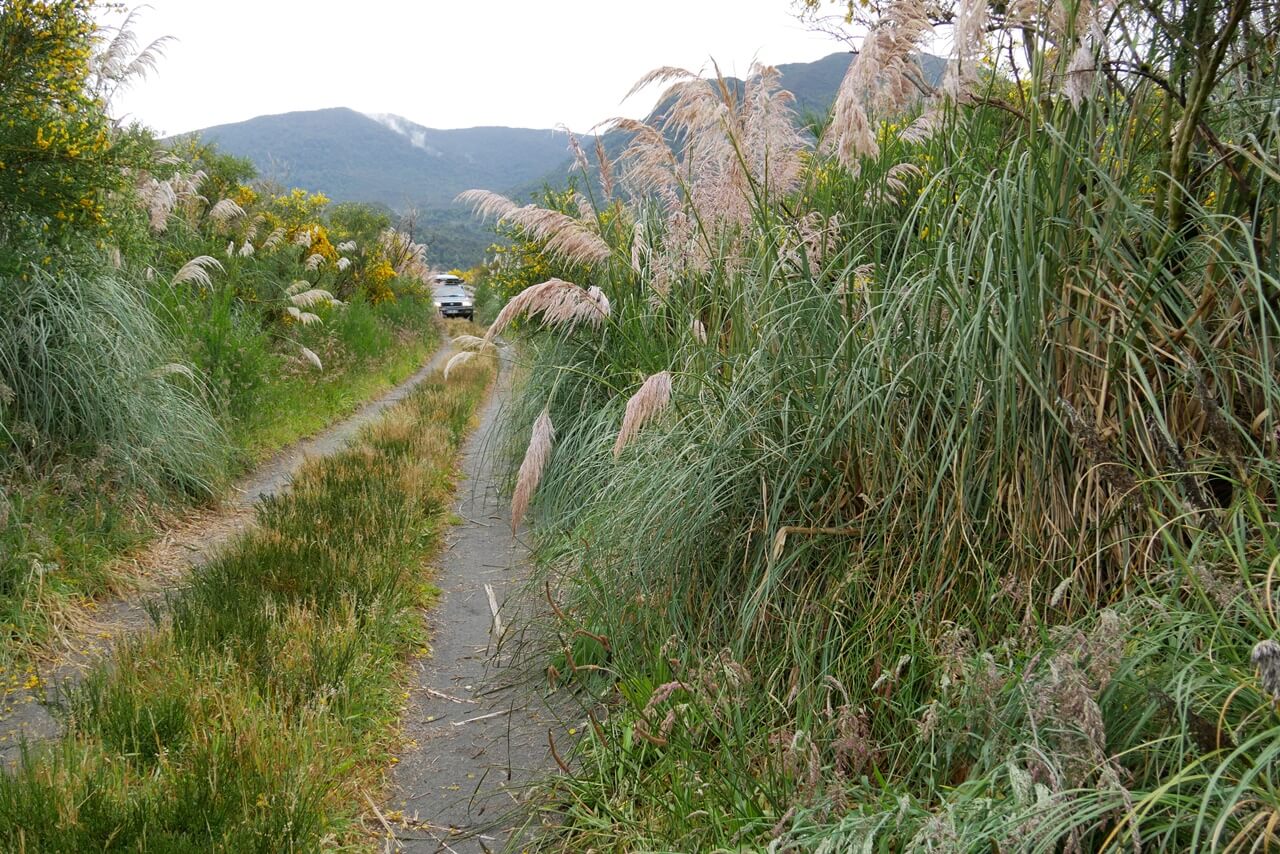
pixel 531 469
pixel 197 270
pixel 652 397
pixel 310 356
pixel 457 360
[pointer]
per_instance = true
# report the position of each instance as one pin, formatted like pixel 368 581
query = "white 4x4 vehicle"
pixel 452 297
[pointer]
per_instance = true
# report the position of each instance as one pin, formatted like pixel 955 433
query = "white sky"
pixel 444 63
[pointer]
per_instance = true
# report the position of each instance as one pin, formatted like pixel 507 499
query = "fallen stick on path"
pixel 493 607
pixel 482 717
pixel 443 696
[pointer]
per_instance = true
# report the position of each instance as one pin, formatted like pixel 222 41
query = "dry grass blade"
pixel 652 397
pixel 535 462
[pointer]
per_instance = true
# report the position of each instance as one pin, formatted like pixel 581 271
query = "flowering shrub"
pixel 61 160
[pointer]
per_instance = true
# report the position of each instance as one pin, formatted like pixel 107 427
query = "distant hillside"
pixel 351 156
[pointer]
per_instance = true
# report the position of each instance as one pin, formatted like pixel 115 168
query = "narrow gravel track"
pixel 476 724
pixel 25 711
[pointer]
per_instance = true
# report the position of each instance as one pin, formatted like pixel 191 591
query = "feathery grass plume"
pixel 313 296
pixel 535 462
pixel 817 235
pixel 883 75
pixel 598 297
pixel 559 302
pixel 575 147
pixel 457 360
pixel 310 356
pixel 968 40
pixel 159 198
pixel 306 318
pixel 313 262
pixel 1078 79
pixel 120 61
pixel 303 238
pixel 562 235
pixel 606 168
pixel 186 194
pixel 197 270
pixel 474 343
pixel 247 250
pixel 923 127
pixel 274 240
pixel 225 211
pixel 347 246
pixel 586 211
pixel 652 398
pixel 639 249
pixel 771 140
pixel 343 264
pixel 231 249
pixel 255 224
pixel 648 163
pixel 893 186
pixel 699 331
pixel 297 286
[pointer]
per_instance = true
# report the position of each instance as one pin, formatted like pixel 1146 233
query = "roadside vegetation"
pixel 908 480
pixel 166 319
pixel 258 716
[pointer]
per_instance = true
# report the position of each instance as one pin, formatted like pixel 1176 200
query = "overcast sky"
pixel 444 64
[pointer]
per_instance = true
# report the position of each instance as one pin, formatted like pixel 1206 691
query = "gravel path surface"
pixel 27 700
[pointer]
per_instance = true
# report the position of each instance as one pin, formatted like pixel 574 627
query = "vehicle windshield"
pixel 452 291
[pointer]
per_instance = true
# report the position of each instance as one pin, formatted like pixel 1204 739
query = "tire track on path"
pixel 476 725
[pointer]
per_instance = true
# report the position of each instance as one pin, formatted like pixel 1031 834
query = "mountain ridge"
pixel 387 159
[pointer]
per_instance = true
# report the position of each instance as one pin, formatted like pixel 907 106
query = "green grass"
pixel 959 534
pixel 70 523
pixel 257 717
pixel 295 406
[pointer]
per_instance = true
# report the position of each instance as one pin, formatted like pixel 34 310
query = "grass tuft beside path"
pixel 256 718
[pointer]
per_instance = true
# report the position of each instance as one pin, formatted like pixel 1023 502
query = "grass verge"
pixel 62 534
pixel 254 718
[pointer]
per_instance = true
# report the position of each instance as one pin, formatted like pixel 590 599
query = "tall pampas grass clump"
pixel 973 488
pixel 90 371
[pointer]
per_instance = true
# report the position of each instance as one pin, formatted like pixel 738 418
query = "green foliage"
pixel 154 310
pixel 958 531
pixel 61 159
pixel 255 718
